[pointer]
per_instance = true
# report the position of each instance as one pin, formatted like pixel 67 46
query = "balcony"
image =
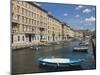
pixel 15 21
pixel 28 33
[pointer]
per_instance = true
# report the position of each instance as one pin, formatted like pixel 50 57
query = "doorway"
pixel 29 38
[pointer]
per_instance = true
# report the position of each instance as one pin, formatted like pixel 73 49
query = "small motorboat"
pixel 35 47
pixel 59 62
pixel 81 49
pixel 84 43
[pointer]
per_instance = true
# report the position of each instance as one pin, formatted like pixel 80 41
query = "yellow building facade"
pixel 54 29
pixel 31 25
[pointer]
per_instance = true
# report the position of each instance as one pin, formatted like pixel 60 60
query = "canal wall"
pixel 27 45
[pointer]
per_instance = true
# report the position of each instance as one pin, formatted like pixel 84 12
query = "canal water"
pixel 25 60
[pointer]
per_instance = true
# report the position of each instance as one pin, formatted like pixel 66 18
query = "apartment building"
pixel 29 23
pixel 71 33
pixel 32 25
pixel 54 29
pixel 67 31
pixel 78 34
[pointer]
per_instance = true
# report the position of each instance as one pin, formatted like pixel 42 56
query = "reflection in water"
pixel 54 69
pixel 25 60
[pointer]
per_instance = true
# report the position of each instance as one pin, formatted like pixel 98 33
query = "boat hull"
pixel 80 49
pixel 57 64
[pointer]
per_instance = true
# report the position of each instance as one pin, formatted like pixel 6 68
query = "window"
pixel 32 14
pixel 18 17
pixel 34 22
pixel 29 21
pixel 23 38
pixel 26 12
pixel 29 13
pixel 26 20
pixel 22 19
pixel 23 27
pixel 12 15
pixel 37 38
pixel 18 38
pixel 18 9
pixel 32 28
pixel 37 22
pixel 24 3
pixel 12 7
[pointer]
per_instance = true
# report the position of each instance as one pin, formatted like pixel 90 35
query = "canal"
pixel 25 60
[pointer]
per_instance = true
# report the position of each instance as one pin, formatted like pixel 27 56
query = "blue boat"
pixel 59 62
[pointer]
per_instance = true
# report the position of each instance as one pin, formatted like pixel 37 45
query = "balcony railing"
pixel 15 21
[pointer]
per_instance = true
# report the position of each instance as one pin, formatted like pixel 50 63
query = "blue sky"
pixel 77 16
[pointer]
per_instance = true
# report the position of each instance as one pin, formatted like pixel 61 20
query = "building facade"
pixel 67 32
pixel 32 25
pixel 54 29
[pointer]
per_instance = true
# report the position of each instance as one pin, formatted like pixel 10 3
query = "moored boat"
pixel 84 43
pixel 59 62
pixel 81 49
pixel 35 47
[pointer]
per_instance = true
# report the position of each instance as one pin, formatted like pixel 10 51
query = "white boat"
pixel 35 47
pixel 59 62
pixel 81 49
pixel 84 43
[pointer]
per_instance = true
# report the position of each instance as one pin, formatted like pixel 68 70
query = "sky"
pixel 77 16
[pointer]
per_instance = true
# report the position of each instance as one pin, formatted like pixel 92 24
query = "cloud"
pixel 81 27
pixel 86 11
pixel 93 8
pixel 81 21
pixel 79 7
pixel 90 19
pixel 37 4
pixel 65 14
pixel 77 15
pixel 49 12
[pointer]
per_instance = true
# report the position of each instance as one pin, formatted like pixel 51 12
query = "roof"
pixel 32 3
pixel 54 18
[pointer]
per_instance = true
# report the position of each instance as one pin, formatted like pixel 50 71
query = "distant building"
pixel 67 31
pixel 78 34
